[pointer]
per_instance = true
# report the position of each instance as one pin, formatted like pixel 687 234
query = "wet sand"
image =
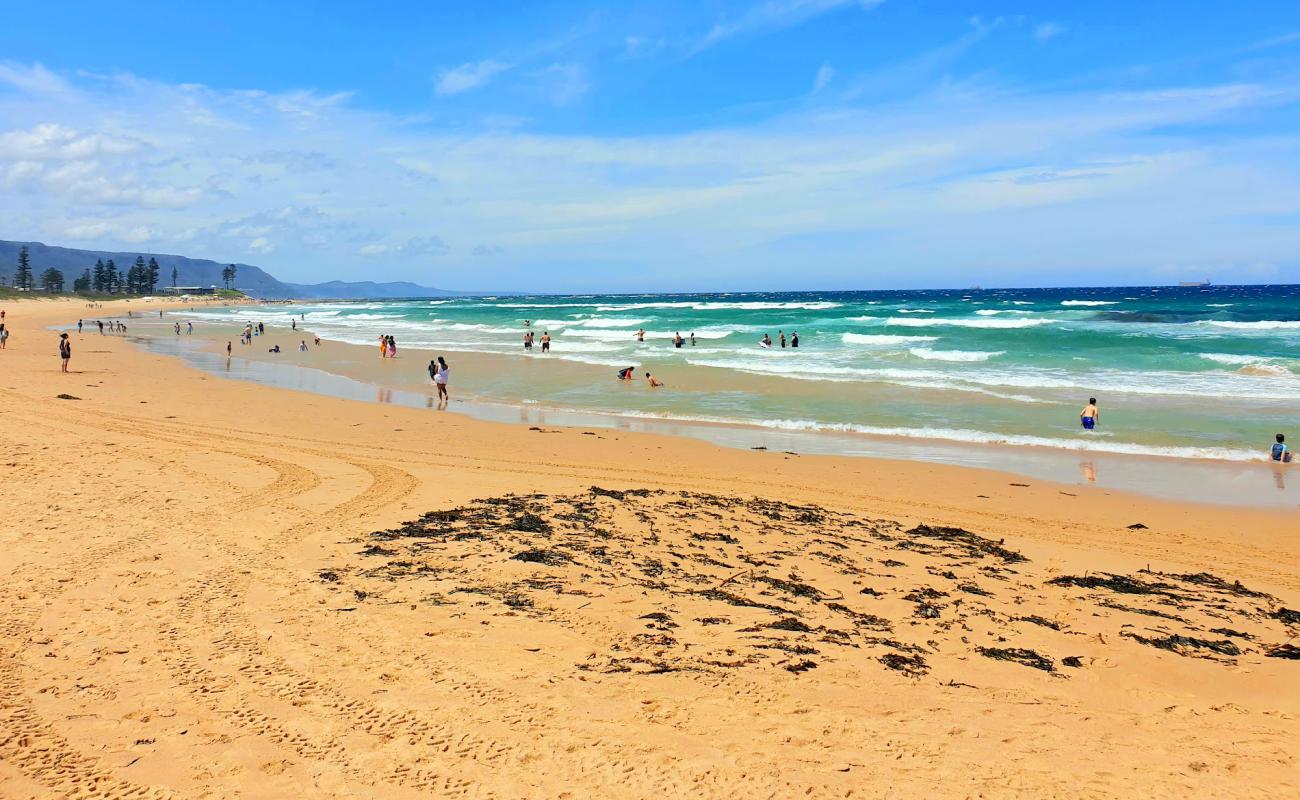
pixel 218 588
pixel 356 372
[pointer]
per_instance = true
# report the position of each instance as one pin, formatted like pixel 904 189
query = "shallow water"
pixel 1202 480
pixel 1190 373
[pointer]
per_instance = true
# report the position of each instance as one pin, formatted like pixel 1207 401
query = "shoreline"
pixel 1201 480
pixel 220 588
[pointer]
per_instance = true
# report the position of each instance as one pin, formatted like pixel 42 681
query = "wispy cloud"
pixel 773 15
pixel 316 196
pixel 33 78
pixel 825 74
pixel 1048 30
pixel 468 76
pixel 563 84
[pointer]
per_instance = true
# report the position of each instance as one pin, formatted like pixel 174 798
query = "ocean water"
pixel 1183 372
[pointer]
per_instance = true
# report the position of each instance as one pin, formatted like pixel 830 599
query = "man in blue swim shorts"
pixel 1090 416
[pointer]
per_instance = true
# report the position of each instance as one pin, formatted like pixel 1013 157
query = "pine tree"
pixel 23 275
pixel 153 274
pixel 138 276
pixel 173 277
pixel 111 283
pixel 98 280
pixel 52 280
pixel 82 284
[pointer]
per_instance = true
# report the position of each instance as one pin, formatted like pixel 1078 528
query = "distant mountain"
pixel 250 279
pixel 345 290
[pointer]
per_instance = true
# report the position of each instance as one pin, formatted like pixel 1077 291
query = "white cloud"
pixel 414 246
pixel 773 15
pixel 947 183
pixel 467 76
pixel 91 231
pixel 34 79
pixel 54 142
pixel 825 74
pixel 1048 30
pixel 563 84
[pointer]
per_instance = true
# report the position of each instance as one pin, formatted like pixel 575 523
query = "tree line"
pixel 104 278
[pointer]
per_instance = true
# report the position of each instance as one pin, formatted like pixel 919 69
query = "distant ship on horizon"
pixel 1194 283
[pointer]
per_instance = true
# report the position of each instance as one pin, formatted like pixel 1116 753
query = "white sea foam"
pixel 1084 442
pixel 609 322
pixel 955 355
pixel 883 339
pixel 1261 325
pixel 1089 302
pixel 906 322
pixel 915 311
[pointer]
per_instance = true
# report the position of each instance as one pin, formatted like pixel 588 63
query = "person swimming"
pixel 654 382
pixel 1090 416
pixel 1280 452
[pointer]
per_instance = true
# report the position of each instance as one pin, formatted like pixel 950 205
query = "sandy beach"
pixel 219 589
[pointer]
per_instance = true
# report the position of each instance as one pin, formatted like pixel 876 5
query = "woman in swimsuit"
pixel 440 379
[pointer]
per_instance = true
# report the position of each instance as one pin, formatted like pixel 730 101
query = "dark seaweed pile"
pixel 715 583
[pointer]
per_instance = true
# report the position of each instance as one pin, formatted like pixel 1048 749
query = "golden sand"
pixel 217 589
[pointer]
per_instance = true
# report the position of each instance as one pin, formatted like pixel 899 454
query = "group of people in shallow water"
pixel 766 341
pixel 387 347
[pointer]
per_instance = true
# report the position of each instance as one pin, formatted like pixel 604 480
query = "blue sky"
pixel 723 144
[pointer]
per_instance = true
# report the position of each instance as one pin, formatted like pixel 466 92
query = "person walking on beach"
pixel 4 336
pixel 392 347
pixel 433 370
pixel 228 348
pixel 383 347
pixel 78 327
pixel 293 323
pixel 1090 416
pixel 65 350
pixel 100 322
pixel 302 346
pixel 189 329
pixel 440 376
pixel 546 342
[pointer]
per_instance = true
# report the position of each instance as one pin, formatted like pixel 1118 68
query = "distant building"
pixel 187 290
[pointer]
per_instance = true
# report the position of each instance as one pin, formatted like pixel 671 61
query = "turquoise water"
pixel 1203 372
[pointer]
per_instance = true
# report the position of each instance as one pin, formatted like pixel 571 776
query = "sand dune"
pixel 214 589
